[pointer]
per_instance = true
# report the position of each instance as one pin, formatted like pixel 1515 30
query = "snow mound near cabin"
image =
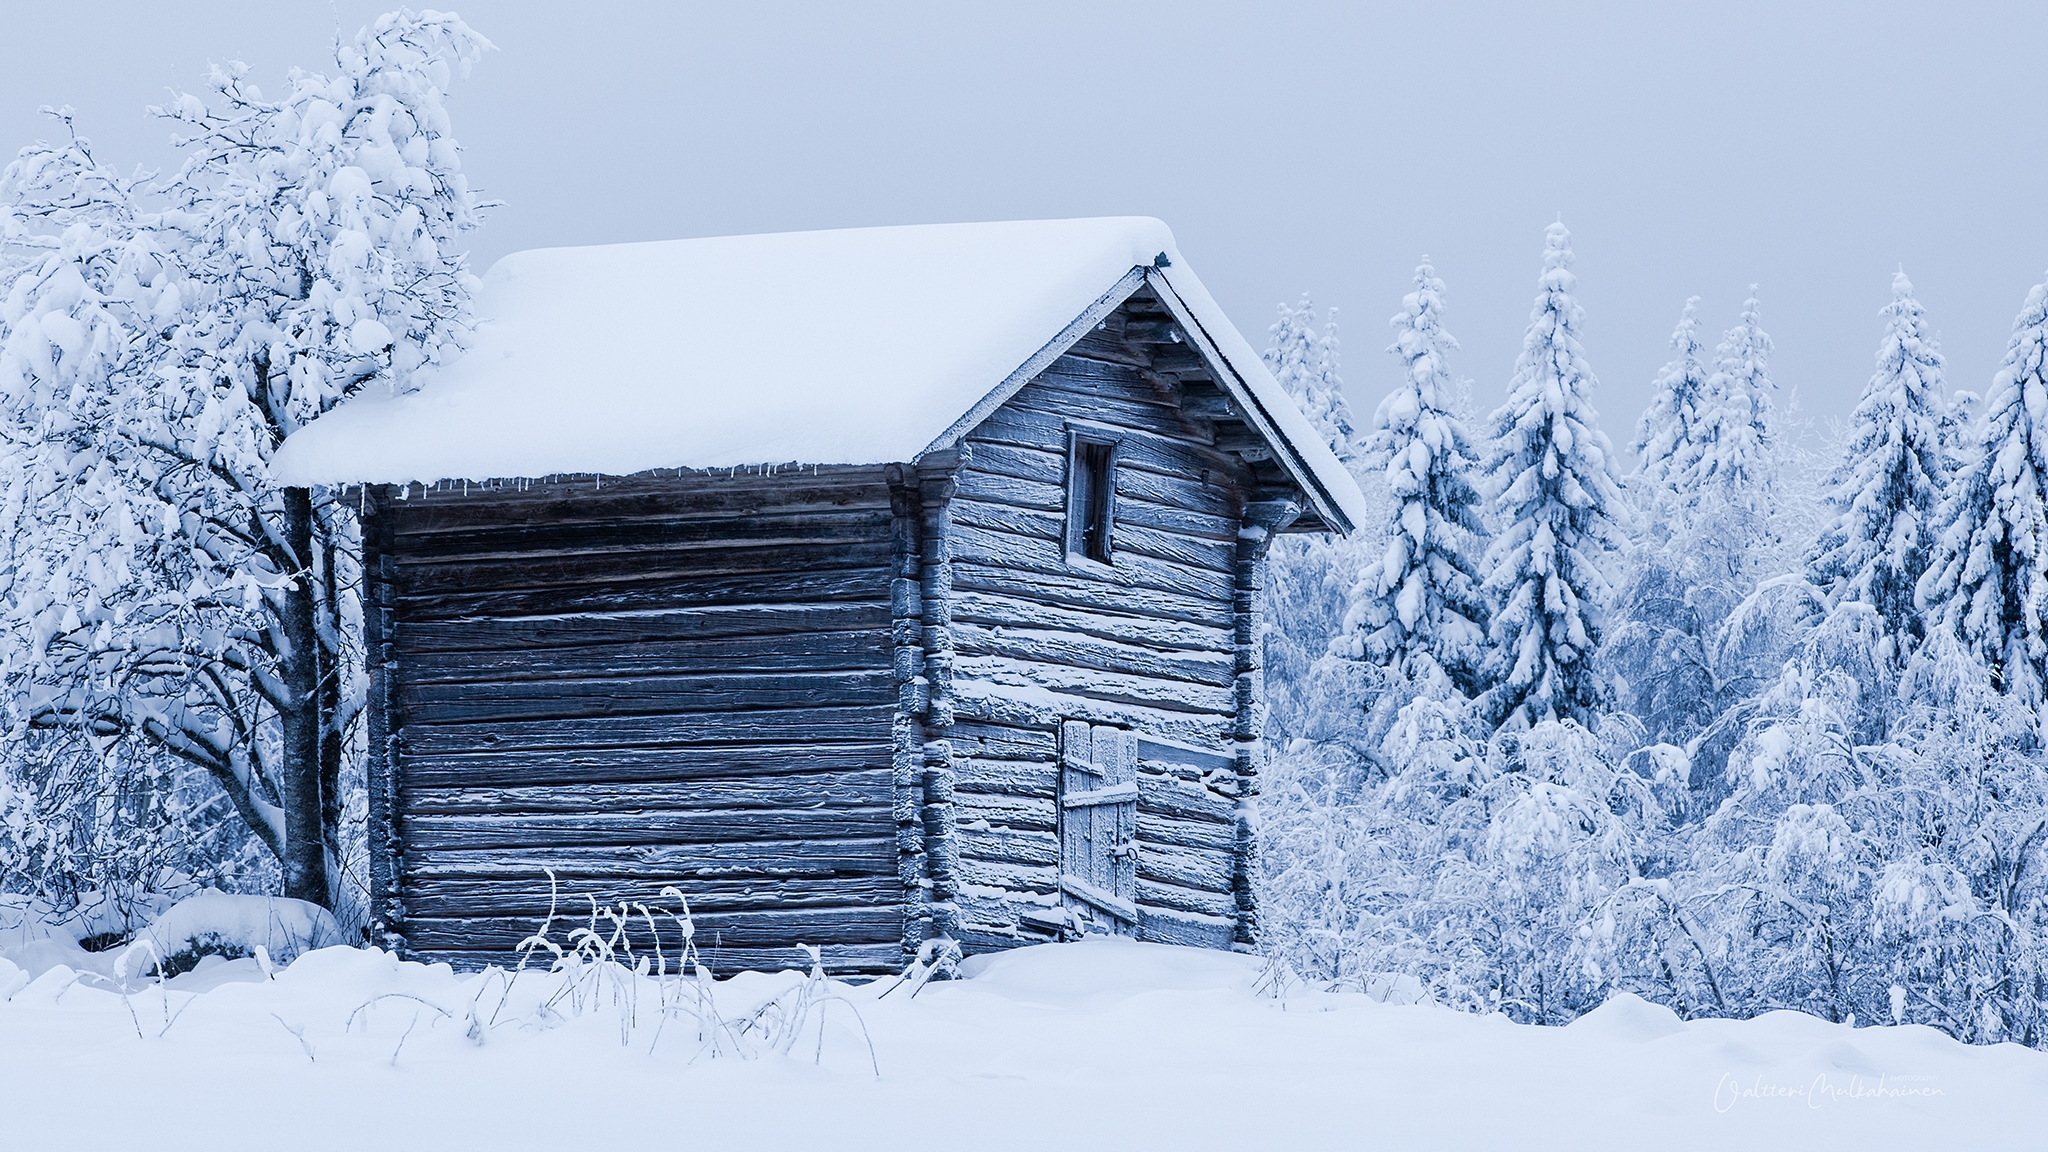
pixel 284 929
pixel 1629 1019
pixel 36 938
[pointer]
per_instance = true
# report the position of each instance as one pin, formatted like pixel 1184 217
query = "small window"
pixel 1091 497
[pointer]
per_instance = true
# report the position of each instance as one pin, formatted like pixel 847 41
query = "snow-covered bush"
pixel 212 923
pixel 82 826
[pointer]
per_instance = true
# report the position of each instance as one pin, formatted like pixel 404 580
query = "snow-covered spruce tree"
pixel 1554 470
pixel 1712 504
pixel 1307 577
pixel 1417 609
pixel 1728 498
pixel 1669 434
pixel 1884 492
pixel 1735 462
pixel 162 340
pixel 1986 582
pixel 1304 360
pixel 1658 645
pixel 1959 430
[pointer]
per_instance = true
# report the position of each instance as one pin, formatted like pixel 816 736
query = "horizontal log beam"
pixel 1201 869
pixel 1155 827
pixel 655 865
pixel 1147 451
pixel 452 509
pixel 708 899
pixel 785 726
pixel 430 833
pixel 821 579
pixel 734 930
pixel 754 530
pixel 1039 476
pixel 1008 874
pixel 440 703
pixel 1081 652
pixel 821 651
pixel 1033 705
pixel 1017 813
pixel 1107 687
pixel 1009 846
pixel 1220 904
pixel 1007 550
pixel 855 561
pixel 1082 592
pixel 1000 742
pixel 857 789
pixel 1187 929
pixel 1170 796
pixel 1039 778
pixel 670 766
pixel 1016 611
pixel 1131 539
pixel 767 624
pixel 839 960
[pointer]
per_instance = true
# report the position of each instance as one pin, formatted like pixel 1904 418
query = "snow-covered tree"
pixel 1884 492
pixel 1303 359
pixel 1791 813
pixel 1735 463
pixel 1311 696
pixel 1986 582
pixel 1668 437
pixel 1417 609
pixel 1959 429
pixel 162 340
pixel 1713 505
pixel 1555 474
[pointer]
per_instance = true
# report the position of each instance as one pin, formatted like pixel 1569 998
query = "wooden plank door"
pixel 1099 826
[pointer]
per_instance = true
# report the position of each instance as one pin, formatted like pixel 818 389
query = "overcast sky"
pixel 1694 149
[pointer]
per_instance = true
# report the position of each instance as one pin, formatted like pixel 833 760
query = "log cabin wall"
pixel 1153 643
pixel 663 679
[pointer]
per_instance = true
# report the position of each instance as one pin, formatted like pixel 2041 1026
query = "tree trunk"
pixel 332 678
pixel 305 841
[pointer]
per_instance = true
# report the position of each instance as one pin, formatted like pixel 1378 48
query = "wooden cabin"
pixel 867 586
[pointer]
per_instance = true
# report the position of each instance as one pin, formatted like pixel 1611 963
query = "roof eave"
pixel 1231 378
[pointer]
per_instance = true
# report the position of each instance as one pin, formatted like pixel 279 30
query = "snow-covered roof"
pixel 858 346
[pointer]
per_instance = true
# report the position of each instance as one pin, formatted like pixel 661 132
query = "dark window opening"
pixel 1091 499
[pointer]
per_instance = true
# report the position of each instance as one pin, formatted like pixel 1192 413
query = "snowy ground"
pixel 1096 1044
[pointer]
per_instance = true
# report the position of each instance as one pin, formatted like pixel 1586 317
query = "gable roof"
pixel 857 346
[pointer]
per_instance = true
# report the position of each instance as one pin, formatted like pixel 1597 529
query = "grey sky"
pixel 1692 149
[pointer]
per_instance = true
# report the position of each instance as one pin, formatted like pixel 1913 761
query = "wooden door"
pixel 1099 826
